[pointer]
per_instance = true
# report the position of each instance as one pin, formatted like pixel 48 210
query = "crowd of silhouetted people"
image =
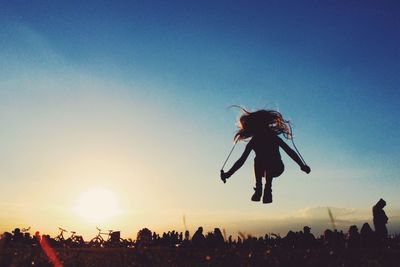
pixel 354 238
pixel 356 246
pixel 296 248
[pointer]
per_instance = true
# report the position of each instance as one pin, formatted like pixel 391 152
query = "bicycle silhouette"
pixel 98 240
pixel 60 238
pixel 113 239
pixel 75 240
pixel 25 230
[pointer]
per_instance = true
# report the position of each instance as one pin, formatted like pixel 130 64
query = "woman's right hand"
pixel 224 176
pixel 306 169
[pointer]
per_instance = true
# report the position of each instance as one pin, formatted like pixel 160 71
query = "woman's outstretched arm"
pixel 239 163
pixel 293 155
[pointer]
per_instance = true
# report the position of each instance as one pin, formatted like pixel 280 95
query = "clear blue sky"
pixel 132 96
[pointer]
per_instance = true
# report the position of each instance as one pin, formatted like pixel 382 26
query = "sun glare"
pixel 97 205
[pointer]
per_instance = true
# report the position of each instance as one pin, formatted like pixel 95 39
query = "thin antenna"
pixel 332 219
pixel 224 232
pixel 184 221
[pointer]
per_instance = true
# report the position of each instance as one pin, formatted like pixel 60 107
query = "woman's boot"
pixel 257 194
pixel 267 197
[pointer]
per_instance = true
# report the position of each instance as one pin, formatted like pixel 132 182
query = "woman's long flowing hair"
pixel 253 122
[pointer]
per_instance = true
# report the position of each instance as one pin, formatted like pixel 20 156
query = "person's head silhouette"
pixel 253 123
pixel 381 203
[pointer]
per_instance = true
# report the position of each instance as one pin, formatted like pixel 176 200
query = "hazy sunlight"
pixel 97 205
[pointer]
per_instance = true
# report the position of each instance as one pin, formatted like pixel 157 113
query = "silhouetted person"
pixel 187 235
pixel 289 241
pixel 180 237
pixel 17 235
pixel 185 241
pixel 353 237
pixel 340 238
pixel 218 237
pixel 7 238
pixel 328 239
pixel 308 239
pixel 263 127
pixel 380 219
pixel 154 236
pixel 367 236
pixel 144 237
pixel 198 238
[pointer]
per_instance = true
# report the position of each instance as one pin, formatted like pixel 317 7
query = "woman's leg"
pixel 258 173
pixel 267 197
pixel 274 170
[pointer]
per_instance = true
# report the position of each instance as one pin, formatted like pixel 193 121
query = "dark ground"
pixel 163 256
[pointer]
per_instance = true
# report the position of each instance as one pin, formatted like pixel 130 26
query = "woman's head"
pixel 252 123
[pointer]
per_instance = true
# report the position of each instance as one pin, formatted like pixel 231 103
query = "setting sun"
pixel 97 205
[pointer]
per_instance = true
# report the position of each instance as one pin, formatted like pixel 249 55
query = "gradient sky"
pixel 132 96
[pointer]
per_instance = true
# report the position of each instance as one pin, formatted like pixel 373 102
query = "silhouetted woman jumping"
pixel 263 127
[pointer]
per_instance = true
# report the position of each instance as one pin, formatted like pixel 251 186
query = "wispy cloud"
pixel 321 212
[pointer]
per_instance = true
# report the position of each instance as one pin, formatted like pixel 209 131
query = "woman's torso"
pixel 266 147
